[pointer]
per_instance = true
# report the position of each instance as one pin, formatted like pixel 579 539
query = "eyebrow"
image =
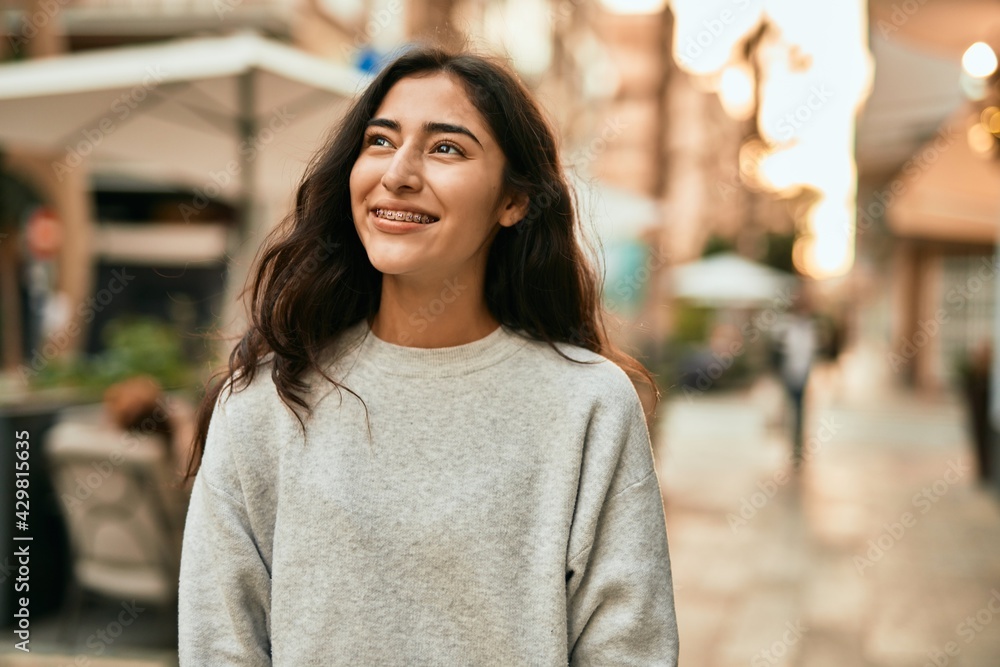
pixel 428 127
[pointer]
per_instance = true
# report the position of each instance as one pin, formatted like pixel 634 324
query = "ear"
pixel 515 207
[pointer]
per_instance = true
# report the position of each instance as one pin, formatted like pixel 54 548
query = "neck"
pixel 433 312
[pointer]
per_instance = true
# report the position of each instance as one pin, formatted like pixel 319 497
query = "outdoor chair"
pixel 123 509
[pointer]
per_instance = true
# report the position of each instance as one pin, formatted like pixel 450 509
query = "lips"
pixel 405 216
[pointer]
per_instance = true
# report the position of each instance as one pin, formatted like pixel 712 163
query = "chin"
pixel 393 265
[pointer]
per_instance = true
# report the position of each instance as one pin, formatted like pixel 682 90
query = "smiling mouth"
pixel 405 216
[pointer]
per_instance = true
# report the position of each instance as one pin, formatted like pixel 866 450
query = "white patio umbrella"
pixel 236 117
pixel 730 280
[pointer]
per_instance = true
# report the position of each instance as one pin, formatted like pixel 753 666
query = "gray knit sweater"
pixel 503 510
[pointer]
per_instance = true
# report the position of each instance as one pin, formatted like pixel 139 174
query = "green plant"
pixel 691 322
pixel 716 245
pixel 134 346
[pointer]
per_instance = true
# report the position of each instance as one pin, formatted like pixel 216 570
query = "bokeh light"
pixel 979 60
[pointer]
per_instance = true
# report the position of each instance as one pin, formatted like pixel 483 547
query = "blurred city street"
pixel 792 208
pixel 882 552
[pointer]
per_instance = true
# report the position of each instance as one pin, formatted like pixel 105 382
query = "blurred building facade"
pixel 630 117
pixel 633 122
pixel 930 208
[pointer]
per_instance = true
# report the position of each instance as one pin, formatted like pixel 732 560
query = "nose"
pixel 403 172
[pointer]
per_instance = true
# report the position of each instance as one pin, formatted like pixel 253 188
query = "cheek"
pixel 467 195
pixel 359 189
pixel 361 181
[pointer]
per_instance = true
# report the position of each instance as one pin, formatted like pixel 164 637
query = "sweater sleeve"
pixel 620 600
pixel 225 585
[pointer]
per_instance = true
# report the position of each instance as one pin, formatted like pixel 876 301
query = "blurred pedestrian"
pixel 425 449
pixel 797 340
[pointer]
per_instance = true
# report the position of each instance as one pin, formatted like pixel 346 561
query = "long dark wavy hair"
pixel 299 305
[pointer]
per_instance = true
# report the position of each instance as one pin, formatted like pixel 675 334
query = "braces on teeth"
pixel 400 215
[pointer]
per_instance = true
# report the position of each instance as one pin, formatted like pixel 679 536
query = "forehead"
pixel 435 97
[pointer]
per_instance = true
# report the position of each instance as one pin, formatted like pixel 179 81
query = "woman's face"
pixel 426 187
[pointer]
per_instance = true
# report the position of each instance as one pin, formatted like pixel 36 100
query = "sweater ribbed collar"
pixel 433 362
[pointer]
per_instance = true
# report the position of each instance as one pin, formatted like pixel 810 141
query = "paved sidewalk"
pixel 883 552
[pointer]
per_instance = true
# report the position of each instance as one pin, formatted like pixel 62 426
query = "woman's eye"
pixel 456 149
pixel 374 139
pixel 381 141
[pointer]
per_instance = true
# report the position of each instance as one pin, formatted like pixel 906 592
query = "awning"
pixel 730 280
pixel 187 110
pixel 945 191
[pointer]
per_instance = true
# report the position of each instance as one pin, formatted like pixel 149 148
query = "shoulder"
pixel 579 374
pixel 249 425
pixel 256 397
pixel 252 409
pixel 599 402
pixel 244 394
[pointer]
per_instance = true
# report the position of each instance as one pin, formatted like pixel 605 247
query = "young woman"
pixel 428 452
